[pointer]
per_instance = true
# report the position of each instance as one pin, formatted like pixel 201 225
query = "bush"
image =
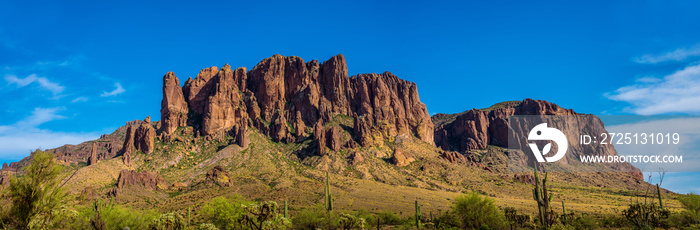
pixel 475 211
pixel 389 218
pixel 113 216
pixel 311 218
pixel 207 226
pixel 349 221
pixel 225 213
pixel 691 202
pixel 447 220
pixel 168 221
pixel 584 222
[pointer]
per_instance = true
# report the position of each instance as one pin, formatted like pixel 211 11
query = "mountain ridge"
pixel 286 121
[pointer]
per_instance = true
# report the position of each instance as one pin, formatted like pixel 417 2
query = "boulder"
pixel 219 176
pixel 399 159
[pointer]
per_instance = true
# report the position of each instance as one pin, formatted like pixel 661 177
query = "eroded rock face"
pixel 392 105
pixel 223 108
pixel 139 180
pixel 320 137
pixel 283 96
pixel 128 147
pixel 475 129
pixel 174 108
pixel 144 137
pixel 93 155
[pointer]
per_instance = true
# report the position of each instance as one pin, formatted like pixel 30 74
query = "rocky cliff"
pixel 477 128
pixel 286 97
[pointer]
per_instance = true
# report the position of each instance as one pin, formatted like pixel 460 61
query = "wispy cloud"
pixel 676 55
pixel 79 99
pixel 43 82
pixel 20 138
pixel 119 89
pixel 678 92
pixel 40 116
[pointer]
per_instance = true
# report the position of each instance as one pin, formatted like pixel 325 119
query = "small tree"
pixel 37 197
pixel 475 211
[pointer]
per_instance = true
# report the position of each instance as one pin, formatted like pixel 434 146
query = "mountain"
pixel 478 128
pixel 271 133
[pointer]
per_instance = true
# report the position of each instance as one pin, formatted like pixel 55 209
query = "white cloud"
pixel 79 99
pixel 43 82
pixel 40 116
pixel 119 89
pixel 18 139
pixel 676 55
pixel 678 92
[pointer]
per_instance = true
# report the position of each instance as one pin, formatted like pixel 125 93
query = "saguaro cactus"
pixel 564 211
pixel 418 215
pixel 329 196
pixel 543 199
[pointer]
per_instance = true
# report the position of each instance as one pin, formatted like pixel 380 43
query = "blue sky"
pixel 70 71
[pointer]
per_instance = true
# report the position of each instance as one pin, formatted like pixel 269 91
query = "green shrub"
pixel 225 213
pixel 447 220
pixel 311 218
pixel 389 218
pixel 475 211
pixel 584 222
pixel 117 217
pixel 691 202
pixel 349 221
pixel 168 221
pixel 207 226
pixel 613 221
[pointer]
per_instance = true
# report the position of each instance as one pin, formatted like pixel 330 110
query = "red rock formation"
pixel 147 180
pixel 320 137
pixel 392 106
pixel 282 96
pixel 93 155
pixel 242 134
pixel 475 129
pixel 144 137
pixel 174 109
pixel 334 142
pixel 128 147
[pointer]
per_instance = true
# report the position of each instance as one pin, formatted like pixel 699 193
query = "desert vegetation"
pixel 37 200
